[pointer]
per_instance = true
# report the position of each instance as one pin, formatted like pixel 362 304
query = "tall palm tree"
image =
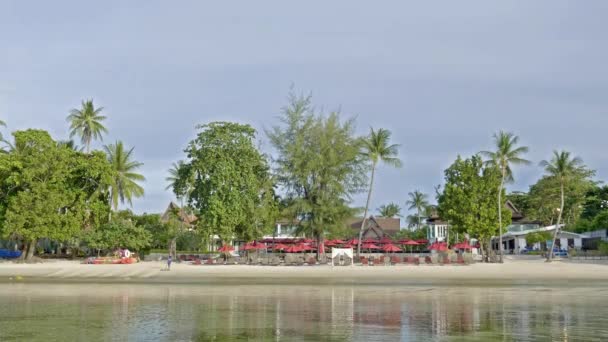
pixel 419 202
pixel 564 168
pixel 507 153
pixel 124 184
pixel 390 210
pixel 86 123
pixel 377 148
pixel 2 124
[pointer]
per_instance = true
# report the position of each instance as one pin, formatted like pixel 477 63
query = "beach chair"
pixel 312 261
pixel 364 261
pixel 445 260
pixel 428 260
pixel 378 261
pixel 460 259
pixel 197 262
pixel 209 261
pixel 413 261
pixel 395 260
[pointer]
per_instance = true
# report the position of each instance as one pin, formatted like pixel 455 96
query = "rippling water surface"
pixel 82 312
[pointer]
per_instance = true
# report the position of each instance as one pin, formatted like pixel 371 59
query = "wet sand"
pixel 519 272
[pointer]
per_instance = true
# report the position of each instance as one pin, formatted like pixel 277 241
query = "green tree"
pixel 417 201
pixel 118 234
pixel 86 123
pixel 124 184
pixel 507 154
pixel 318 165
pixel 468 200
pixel 377 148
pixel 564 168
pixel 47 191
pixel 232 190
pixel 596 202
pixel 390 210
pixel 537 237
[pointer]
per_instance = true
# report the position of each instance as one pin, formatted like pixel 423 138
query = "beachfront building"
pixel 376 227
pixel 514 241
pixel 437 229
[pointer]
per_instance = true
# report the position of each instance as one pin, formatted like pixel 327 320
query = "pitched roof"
pixel 185 217
pixel 379 226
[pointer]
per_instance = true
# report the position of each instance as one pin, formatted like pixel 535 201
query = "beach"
pixel 512 272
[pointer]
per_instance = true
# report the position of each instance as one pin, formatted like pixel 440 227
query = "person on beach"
pixel 169 260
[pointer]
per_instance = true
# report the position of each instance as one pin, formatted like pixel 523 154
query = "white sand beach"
pixel 511 272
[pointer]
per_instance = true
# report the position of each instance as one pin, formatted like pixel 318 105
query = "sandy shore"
pixel 521 272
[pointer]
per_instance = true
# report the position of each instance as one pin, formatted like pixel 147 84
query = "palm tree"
pixel 507 153
pixel 86 123
pixel 563 168
pixel 2 124
pixel 390 210
pixel 377 148
pixel 124 183
pixel 419 202
pixel 70 145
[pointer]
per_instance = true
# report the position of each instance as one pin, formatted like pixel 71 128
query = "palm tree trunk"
pixel 559 218
pixel 502 183
pixel 418 228
pixel 369 196
pixel 31 248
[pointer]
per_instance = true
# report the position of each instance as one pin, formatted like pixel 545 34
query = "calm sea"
pixel 85 312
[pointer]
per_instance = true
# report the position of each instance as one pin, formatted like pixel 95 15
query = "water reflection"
pixel 300 313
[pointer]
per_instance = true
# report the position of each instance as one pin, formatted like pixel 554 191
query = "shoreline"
pixel 511 273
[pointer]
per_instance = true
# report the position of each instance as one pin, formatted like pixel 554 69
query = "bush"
pixel 603 248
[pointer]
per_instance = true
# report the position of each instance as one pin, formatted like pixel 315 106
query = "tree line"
pixel 237 192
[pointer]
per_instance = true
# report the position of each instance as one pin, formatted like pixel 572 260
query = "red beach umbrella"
pixel 370 240
pixel 463 245
pixel 280 246
pixel 293 249
pixel 305 247
pixel 225 249
pixel 339 242
pixel 353 242
pixel 369 246
pixel 391 248
pixel 411 243
pixel 248 246
pixel 422 241
pixel 260 246
pixel 386 240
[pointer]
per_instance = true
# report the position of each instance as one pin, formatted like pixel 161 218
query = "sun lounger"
pixel 196 262
pixel 412 260
pixel 445 260
pixel 378 261
pixel 395 260
pixel 428 260
pixel 209 261
pixel 364 261
pixel 312 261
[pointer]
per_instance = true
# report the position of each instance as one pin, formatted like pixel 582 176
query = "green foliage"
pixel 603 247
pixel 230 183
pixel 596 202
pixel 390 210
pixel 117 234
pixel 520 200
pixel 417 201
pixel 124 183
pixel 318 165
pixel 469 199
pixel 49 191
pixel 86 123
pixel 507 153
pixel 538 237
pixel 416 234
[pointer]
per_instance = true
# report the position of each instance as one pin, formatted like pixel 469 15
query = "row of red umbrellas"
pixel 303 247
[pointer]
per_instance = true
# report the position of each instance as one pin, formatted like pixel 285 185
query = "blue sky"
pixel 442 76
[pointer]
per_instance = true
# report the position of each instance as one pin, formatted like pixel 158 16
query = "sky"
pixel 442 76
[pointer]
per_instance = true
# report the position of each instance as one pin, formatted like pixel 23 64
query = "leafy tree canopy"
pixel 318 165
pixel 229 181
pixel 48 190
pixel 469 199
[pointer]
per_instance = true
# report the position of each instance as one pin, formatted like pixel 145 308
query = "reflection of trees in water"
pixel 303 312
